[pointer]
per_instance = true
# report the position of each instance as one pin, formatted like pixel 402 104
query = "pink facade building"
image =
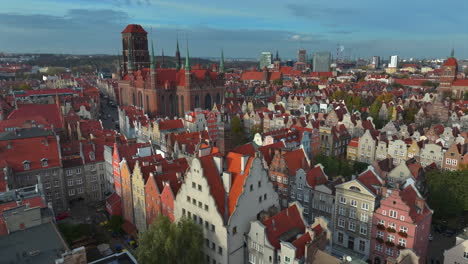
pixel 403 220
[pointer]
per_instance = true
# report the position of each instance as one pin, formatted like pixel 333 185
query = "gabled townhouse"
pixel 431 153
pixel 453 157
pixel 163 127
pixel 281 238
pixel 224 199
pixel 355 201
pixel 367 147
pixel 413 150
pixel 397 149
pixel 283 170
pixel 314 192
pixel 381 150
pixel 352 149
pixel 401 221
pixel 162 187
pixel 334 140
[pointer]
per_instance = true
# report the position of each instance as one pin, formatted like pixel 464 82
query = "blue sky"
pixel 410 28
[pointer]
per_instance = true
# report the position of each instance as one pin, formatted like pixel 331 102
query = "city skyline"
pixel 242 29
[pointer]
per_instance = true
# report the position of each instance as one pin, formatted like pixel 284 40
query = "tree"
pixel 238 136
pixel 390 112
pixel 448 192
pixel 23 86
pixel 115 223
pixel 166 242
pixel 409 114
pixel 374 109
pixel 278 82
pixel 256 129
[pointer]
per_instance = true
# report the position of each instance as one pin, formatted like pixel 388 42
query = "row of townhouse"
pixel 376 219
pixel 374 146
pixel 64 177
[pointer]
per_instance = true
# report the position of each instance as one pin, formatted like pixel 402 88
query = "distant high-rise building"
pixel 302 56
pixel 266 58
pixel 376 62
pixel 393 61
pixel 321 61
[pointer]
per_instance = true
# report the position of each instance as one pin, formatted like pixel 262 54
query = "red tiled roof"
pixel 409 195
pixel 214 181
pixel 233 162
pixel 370 179
pixel 300 244
pixel 50 112
pixel 134 28
pixel 296 160
pixel 409 82
pixel 281 223
pixel 20 150
pixel 451 62
pixel 252 75
pixel 461 82
pixel 316 176
pixel 170 124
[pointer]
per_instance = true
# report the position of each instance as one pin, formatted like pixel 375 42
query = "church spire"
pixel 277 56
pixel 452 54
pixel 177 56
pixel 162 60
pixel 187 59
pixel 152 59
pixel 221 62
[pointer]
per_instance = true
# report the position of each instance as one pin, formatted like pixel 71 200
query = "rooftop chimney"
pixel 219 164
pixel 227 181
pixel 244 160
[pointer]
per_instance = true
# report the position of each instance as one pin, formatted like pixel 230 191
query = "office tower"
pixel 321 61
pixel 302 56
pixel 266 59
pixel 376 62
pixel 393 61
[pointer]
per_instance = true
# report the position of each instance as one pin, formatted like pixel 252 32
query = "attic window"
pixel 354 188
pixel 44 162
pixel 26 164
pixel 91 155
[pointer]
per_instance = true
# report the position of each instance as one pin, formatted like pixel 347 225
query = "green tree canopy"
pixel 448 192
pixel 166 242
pixel 237 132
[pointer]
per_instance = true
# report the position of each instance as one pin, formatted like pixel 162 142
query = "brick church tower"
pixel 140 53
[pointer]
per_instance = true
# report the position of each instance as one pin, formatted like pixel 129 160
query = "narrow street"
pixel 109 114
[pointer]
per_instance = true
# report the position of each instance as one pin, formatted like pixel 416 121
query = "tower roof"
pixel 153 61
pixel 187 59
pixel 134 28
pixel 221 62
pixel 451 62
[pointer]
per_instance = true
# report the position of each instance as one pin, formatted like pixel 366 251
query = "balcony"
pixel 403 234
pixel 389 244
pixel 391 230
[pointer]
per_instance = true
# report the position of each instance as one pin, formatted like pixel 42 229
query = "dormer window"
pixel 44 162
pixel 26 165
pixel 91 155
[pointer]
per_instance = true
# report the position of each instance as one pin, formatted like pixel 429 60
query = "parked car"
pixel 449 233
pixel 62 216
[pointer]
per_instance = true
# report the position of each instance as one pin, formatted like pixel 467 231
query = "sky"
pixel 242 28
